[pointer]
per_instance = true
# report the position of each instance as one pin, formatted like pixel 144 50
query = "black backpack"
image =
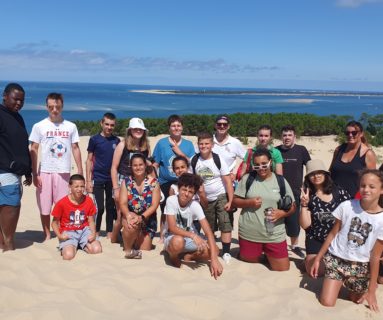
pixel 194 159
pixel 285 202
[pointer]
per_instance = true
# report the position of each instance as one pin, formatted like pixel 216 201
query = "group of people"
pixel 198 190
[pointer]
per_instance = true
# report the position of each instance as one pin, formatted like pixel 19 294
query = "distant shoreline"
pixel 263 93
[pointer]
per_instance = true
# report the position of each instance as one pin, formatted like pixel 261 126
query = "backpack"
pixel 194 159
pixel 285 202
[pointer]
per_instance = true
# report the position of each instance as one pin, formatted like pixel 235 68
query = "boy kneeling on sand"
pixel 73 221
pixel 181 237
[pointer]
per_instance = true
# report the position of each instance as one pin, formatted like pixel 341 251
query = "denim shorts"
pixel 189 246
pixel 10 189
pixel 77 238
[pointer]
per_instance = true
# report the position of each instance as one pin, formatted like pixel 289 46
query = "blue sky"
pixel 308 44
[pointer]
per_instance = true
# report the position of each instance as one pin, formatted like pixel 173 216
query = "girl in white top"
pixel 354 245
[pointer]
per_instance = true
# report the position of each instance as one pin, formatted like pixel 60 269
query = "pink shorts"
pixel 54 187
pixel 251 250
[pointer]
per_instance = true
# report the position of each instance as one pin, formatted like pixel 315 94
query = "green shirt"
pixel 276 156
pixel 251 223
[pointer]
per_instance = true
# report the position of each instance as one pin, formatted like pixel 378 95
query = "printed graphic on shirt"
pixel 205 173
pixel 358 233
pixel 57 149
pixel 77 217
pixel 325 217
pixel 170 167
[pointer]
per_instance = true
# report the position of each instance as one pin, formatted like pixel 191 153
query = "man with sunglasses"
pixel 295 158
pixel 228 147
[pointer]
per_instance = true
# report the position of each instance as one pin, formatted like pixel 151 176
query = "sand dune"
pixel 37 284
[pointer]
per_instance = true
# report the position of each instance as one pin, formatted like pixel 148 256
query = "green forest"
pixel 245 125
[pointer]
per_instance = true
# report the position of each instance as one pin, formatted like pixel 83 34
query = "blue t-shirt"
pixel 164 155
pixel 103 150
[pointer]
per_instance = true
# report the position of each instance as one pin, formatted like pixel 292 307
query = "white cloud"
pixel 355 3
pixel 46 56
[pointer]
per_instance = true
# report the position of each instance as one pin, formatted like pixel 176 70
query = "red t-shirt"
pixel 72 216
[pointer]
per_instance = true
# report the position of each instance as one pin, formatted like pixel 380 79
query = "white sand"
pixel 37 284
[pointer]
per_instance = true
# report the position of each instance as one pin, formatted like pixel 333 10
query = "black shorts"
pixel 292 222
pixel 312 246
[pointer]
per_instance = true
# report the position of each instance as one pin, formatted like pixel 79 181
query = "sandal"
pixel 134 254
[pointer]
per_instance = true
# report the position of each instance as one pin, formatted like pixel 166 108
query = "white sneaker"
pixel 226 257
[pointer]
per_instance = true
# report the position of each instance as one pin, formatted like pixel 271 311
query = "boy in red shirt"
pixel 73 221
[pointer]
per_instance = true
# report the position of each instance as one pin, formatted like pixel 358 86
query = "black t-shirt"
pixel 14 152
pixel 322 219
pixel 293 161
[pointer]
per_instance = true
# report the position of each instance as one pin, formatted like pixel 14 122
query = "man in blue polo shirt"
pixel 98 180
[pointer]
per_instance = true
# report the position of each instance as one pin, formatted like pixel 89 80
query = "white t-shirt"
pixel 229 151
pixel 358 233
pixel 184 216
pixel 212 177
pixel 56 144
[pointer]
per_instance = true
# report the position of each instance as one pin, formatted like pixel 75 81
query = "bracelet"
pixel 116 188
pixel 302 206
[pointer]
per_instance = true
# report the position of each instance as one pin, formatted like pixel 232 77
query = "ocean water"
pixel 84 101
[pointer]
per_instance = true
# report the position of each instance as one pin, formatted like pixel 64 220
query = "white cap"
pixel 136 123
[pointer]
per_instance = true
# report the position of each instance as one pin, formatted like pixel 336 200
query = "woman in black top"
pixel 352 157
pixel 318 202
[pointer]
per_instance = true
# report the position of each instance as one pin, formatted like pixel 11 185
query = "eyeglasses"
pixel 317 173
pixel 353 133
pixel 222 124
pixel 261 166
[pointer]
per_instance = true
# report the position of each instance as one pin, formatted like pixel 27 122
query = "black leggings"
pixel 99 188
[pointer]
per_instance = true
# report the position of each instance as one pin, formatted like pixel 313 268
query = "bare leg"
pixel 116 227
pixel 203 255
pixel 45 222
pixel 330 292
pixel 9 216
pixel 93 247
pixel 279 264
pixel 174 249
pixel 68 252
pixel 144 242
pixel 129 236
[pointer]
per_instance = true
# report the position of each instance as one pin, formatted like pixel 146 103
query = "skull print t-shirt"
pixel 358 233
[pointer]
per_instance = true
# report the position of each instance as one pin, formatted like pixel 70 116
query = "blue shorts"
pixel 189 246
pixel 77 238
pixel 10 189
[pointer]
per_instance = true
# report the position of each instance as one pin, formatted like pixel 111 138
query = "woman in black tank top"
pixel 352 157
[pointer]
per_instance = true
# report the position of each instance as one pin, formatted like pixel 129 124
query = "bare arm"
pixel 113 170
pixel 324 248
pixel 56 229
pixel 77 157
pixel 202 197
pixel 88 169
pixel 305 216
pixel 370 159
pixel 239 202
pixel 279 169
pixel 34 152
pixel 370 295
pixel 229 190
pixel 92 227
pixel 216 268
pixel 156 195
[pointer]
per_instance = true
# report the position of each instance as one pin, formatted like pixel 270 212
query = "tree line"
pixel 245 125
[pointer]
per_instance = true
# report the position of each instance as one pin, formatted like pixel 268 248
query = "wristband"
pixel 302 206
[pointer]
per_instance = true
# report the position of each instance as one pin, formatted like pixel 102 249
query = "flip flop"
pixel 134 254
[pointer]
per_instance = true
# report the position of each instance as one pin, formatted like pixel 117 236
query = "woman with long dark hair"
pixel 319 199
pixel 351 157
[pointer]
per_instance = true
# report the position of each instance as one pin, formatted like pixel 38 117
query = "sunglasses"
pixel 353 133
pixel 222 124
pixel 261 166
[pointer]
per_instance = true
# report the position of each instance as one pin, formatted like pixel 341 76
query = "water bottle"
pixel 268 223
